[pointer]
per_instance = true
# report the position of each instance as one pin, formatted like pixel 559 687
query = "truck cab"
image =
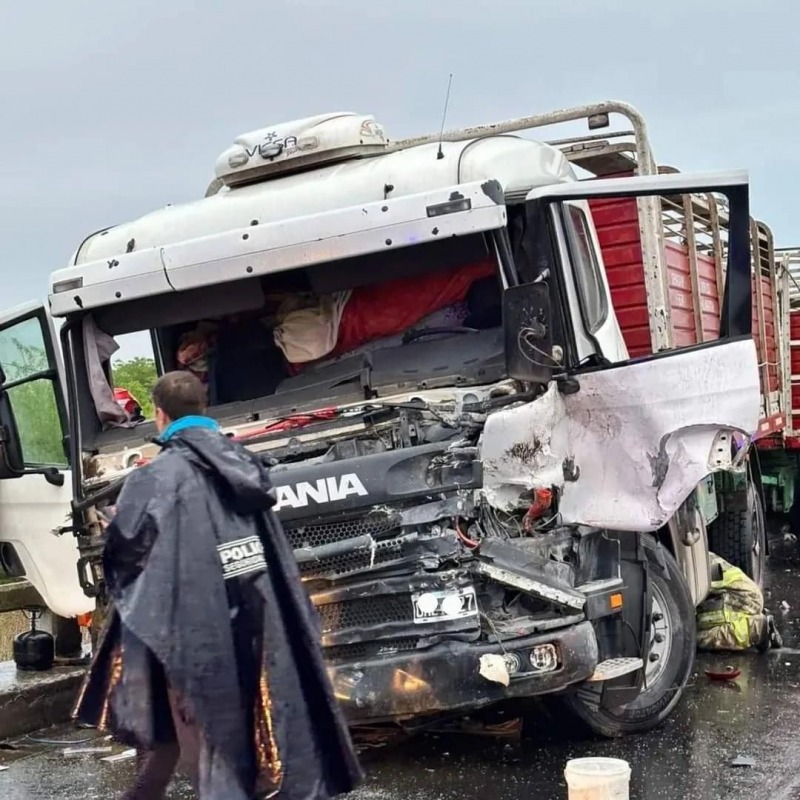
pixel 485 495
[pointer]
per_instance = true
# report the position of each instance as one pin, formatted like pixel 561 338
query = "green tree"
pixel 33 403
pixel 138 376
pixel 38 423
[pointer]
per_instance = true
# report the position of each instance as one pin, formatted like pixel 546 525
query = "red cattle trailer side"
pixel 793 434
pixel 789 262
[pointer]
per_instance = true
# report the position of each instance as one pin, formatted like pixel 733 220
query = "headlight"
pixel 513 663
pixel 544 658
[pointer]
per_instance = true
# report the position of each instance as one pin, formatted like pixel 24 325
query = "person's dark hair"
pixel 179 394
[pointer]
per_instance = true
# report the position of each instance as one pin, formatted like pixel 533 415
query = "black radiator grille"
pixel 332 532
pixel 363 650
pixel 338 566
pixel 366 612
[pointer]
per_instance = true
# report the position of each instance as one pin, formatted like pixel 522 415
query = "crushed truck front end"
pixel 476 496
pixel 430 600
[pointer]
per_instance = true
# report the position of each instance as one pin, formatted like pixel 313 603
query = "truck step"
pixel 615 668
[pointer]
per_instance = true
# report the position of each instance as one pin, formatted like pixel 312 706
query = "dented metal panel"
pixel 632 444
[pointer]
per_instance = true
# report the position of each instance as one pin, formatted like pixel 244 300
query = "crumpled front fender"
pixel 628 448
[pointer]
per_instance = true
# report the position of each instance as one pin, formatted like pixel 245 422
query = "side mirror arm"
pixel 51 475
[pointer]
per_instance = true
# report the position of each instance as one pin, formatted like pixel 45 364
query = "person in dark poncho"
pixel 211 650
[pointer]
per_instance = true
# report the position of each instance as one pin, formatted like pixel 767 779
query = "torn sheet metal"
pixel 632 444
pixel 523 448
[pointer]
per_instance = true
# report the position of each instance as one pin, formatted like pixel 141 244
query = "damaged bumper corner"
pixel 447 677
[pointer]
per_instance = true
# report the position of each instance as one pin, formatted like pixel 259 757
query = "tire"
pixel 666 678
pixel 740 537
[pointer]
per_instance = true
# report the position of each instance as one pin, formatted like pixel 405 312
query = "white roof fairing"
pixel 251 251
pixel 515 163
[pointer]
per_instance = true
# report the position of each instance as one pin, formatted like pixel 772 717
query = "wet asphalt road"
pixel 757 717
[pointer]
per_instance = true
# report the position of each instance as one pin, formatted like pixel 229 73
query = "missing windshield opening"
pixel 416 317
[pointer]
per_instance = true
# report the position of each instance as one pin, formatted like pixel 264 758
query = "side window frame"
pixel 579 254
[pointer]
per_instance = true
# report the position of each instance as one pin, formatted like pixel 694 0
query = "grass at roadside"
pixel 11 623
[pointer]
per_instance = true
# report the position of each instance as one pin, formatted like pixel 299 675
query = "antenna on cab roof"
pixel 440 154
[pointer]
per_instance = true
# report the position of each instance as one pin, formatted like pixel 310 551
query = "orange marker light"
pixel 615 601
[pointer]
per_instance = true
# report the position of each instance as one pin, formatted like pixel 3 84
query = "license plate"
pixel 444 605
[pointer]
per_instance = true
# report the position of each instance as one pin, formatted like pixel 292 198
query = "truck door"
pixel 628 441
pixel 35 481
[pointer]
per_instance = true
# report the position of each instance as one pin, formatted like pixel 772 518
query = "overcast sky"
pixel 111 109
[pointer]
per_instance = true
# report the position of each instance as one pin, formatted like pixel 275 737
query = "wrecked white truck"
pixel 487 499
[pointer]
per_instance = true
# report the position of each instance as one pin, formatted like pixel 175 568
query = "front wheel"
pixel 668 661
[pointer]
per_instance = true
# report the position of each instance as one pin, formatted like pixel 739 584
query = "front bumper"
pixel 446 677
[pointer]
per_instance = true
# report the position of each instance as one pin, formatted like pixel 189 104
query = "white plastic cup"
pixel 598 779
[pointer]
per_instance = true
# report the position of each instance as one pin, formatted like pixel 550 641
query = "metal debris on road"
pixel 728 674
pixel 372 737
pixel 58 742
pixel 87 751
pixel 123 756
pixel 507 729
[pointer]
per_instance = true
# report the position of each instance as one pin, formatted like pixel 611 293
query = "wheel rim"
pixel 660 638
